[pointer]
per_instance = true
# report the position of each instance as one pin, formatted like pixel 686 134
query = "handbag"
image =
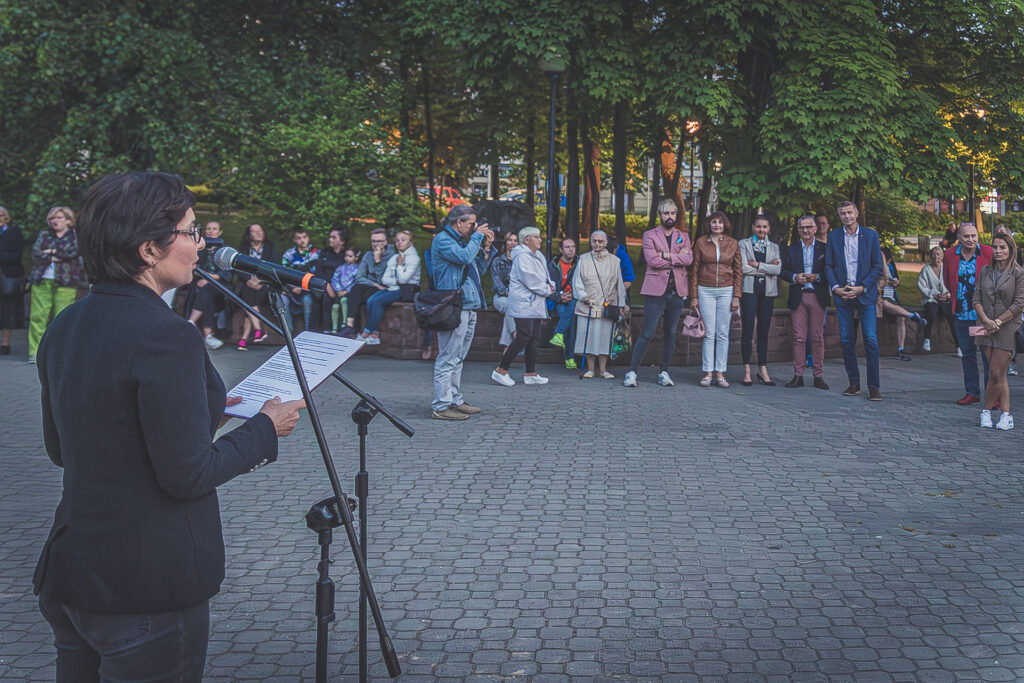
pixel 439 310
pixel 622 338
pixel 693 326
pixel 977 331
pixel 406 293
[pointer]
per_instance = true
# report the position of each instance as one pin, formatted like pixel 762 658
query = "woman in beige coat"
pixel 596 284
pixel 999 302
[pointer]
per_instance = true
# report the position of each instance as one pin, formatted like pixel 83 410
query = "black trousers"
pixel 527 335
pixel 166 646
pixel 670 306
pixel 932 311
pixel 755 307
pixel 357 296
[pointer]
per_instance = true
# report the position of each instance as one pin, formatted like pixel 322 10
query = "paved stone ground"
pixel 584 531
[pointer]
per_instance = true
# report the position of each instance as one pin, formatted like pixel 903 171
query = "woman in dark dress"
pixel 130 404
pixel 12 281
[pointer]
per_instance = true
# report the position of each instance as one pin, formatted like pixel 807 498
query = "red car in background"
pixel 450 197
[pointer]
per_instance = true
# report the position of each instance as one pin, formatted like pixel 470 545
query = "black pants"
pixel 932 311
pixel 759 307
pixel 357 296
pixel 207 300
pixel 527 335
pixel 166 646
pixel 671 306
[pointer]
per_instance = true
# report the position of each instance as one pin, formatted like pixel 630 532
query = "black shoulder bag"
pixel 440 310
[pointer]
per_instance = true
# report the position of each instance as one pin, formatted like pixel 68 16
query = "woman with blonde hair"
pixel 56 272
pixel 401 279
pixel 999 302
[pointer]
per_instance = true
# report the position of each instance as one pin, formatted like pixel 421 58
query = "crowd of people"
pixel 716 277
pixel 719 277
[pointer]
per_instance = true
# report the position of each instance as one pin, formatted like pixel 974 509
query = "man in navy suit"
pixel 853 264
pixel 803 266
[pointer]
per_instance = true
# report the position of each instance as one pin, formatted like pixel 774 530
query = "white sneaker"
pixel 534 379
pixel 504 380
pixel 926 345
pixel 664 380
pixel 1005 421
pixel 959 353
pixel 630 380
pixel 212 342
pixel 986 418
pixel 372 341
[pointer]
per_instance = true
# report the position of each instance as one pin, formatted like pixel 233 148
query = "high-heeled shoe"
pixel 747 382
pixel 766 382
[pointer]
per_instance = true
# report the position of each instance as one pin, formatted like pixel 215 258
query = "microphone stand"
pixel 337 511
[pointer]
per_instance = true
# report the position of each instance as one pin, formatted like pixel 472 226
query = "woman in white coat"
pixel 761 266
pixel 528 289
pixel 400 282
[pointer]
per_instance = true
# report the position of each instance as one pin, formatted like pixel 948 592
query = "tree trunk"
pixel 705 194
pixel 572 188
pixel 493 182
pixel 531 164
pixel 429 123
pixel 619 170
pixel 652 210
pixel 592 186
pixel 671 171
pixel 405 125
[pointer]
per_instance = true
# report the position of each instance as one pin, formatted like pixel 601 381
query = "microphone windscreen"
pixel 223 257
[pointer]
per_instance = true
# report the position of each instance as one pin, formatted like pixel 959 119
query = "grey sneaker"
pixel 664 380
pixel 448 413
pixel 630 380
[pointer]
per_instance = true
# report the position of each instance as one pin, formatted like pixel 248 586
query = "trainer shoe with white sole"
pixel 448 414
pixel 986 418
pixel 504 380
pixel 1005 421
pixel 534 379
pixel 212 342
pixel 630 380
pixel 664 380
pixel 926 345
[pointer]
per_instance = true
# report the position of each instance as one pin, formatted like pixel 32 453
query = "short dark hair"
pixel 761 217
pixel 122 211
pixel 843 205
pixel 342 232
pixel 817 216
pixel 379 231
pixel 300 231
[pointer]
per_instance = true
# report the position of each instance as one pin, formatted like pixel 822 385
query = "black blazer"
pixel 130 405
pixel 11 245
pixel 793 263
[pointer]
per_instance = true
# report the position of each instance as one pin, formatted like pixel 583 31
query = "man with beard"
pixel 668 254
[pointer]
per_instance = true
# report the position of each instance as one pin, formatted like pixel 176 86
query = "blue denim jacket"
pixel 450 255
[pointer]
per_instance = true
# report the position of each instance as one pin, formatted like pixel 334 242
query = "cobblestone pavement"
pixel 585 531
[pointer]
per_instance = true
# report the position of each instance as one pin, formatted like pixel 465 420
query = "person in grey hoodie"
pixel 528 289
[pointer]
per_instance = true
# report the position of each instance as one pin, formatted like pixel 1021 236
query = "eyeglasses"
pixel 196 232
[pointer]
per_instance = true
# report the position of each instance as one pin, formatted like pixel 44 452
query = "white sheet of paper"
pixel 321 355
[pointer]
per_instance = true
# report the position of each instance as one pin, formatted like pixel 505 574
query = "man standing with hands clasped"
pixel 668 254
pixel 853 264
pixel 803 265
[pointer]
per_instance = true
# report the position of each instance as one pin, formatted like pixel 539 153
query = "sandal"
pixel 607 375
pixel 722 383
pixel 589 374
pixel 705 381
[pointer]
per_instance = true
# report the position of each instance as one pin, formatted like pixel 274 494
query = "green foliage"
pixel 331 160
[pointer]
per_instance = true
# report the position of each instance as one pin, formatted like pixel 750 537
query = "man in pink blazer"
pixel 668 254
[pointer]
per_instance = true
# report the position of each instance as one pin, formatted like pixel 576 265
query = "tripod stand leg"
pixel 324 606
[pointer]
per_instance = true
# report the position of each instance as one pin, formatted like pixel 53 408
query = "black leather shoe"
pixel 797 381
pixel 819 383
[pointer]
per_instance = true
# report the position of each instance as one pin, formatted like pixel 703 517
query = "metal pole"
pixel 552 176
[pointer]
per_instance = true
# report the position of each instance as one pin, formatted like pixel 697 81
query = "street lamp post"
pixel 692 128
pixel 552 65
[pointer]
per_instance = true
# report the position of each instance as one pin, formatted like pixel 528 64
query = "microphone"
pixel 227 258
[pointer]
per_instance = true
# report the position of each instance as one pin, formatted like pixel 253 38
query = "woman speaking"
pixel 130 404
